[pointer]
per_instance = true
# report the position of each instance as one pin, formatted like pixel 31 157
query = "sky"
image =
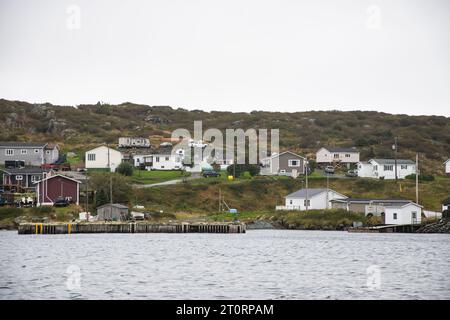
pixel 234 55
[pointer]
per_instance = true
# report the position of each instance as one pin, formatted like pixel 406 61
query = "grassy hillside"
pixel 77 129
pixel 264 193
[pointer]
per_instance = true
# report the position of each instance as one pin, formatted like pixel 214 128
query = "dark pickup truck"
pixel 211 173
pixel 61 202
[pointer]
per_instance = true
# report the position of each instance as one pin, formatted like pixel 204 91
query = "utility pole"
pixel 87 193
pixel 395 157
pixel 328 188
pixel 306 196
pixel 110 179
pixel 417 178
pixel 220 201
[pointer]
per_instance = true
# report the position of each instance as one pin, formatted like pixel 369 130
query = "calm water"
pixel 262 264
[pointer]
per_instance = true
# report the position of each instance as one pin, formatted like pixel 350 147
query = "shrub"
pixel 422 177
pixel 252 169
pixel 125 169
pixel 41 210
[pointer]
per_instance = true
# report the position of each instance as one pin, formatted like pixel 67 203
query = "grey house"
pixel 112 212
pixel 33 154
pixel 24 177
pixel 366 205
pixel 285 163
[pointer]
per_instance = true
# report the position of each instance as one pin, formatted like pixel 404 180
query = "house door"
pixel 294 173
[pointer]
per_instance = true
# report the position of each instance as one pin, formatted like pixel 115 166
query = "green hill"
pixel 304 132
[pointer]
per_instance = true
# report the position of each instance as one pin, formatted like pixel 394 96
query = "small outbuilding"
pixel 57 186
pixel 112 212
pixel 312 199
pixel 410 213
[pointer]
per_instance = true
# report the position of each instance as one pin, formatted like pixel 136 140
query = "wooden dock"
pixel 400 228
pixel 129 227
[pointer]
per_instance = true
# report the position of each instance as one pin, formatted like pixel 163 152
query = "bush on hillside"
pixel 125 168
pixel 422 177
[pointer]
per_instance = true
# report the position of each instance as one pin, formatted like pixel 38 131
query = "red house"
pixel 53 187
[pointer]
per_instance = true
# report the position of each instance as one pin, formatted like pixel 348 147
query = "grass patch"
pixel 311 220
pixel 156 176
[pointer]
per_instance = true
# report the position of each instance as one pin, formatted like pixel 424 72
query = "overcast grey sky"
pixel 237 55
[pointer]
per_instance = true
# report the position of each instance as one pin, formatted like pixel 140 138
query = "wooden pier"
pixel 399 228
pixel 129 227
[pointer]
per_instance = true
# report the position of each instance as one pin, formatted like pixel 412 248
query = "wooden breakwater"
pixel 129 227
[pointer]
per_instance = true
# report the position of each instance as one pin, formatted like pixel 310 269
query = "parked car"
pixel 210 173
pixel 14 164
pixel 61 202
pixel 351 173
pixel 329 169
pixel 2 190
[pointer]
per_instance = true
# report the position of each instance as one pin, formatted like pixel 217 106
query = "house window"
pixel 290 201
pixel 394 216
pixel 162 167
pixel 157 159
pixel 9 152
pixel 294 163
pixel 167 158
pixel 36 150
pixel 336 155
pixel 389 167
pixel 23 151
pixel 404 167
pixel 19 177
pixel 306 203
pixel 48 151
pixel 414 214
pixel 375 168
pixel 91 156
pixel 347 155
pixel 34 178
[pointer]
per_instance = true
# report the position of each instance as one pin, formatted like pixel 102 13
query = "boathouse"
pixel 112 212
pixel 49 189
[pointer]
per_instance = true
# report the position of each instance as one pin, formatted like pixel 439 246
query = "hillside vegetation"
pixel 264 193
pixel 77 129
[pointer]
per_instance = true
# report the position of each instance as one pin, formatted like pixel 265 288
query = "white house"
pixel 385 168
pixel 286 163
pixel 410 213
pixel 337 155
pixel 103 157
pixel 317 199
pixel 160 160
pixel 137 142
pixel 447 167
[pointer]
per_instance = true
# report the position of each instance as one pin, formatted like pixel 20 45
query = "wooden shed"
pixel 112 212
pixel 49 189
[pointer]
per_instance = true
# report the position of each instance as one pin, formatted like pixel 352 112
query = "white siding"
pixel 365 169
pixel 377 170
pixel 318 201
pixel 447 166
pixel 404 214
pixel 167 162
pixel 98 158
pixel 402 170
pixel 325 156
pixel 160 161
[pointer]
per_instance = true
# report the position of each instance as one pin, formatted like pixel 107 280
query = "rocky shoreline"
pixel 435 227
